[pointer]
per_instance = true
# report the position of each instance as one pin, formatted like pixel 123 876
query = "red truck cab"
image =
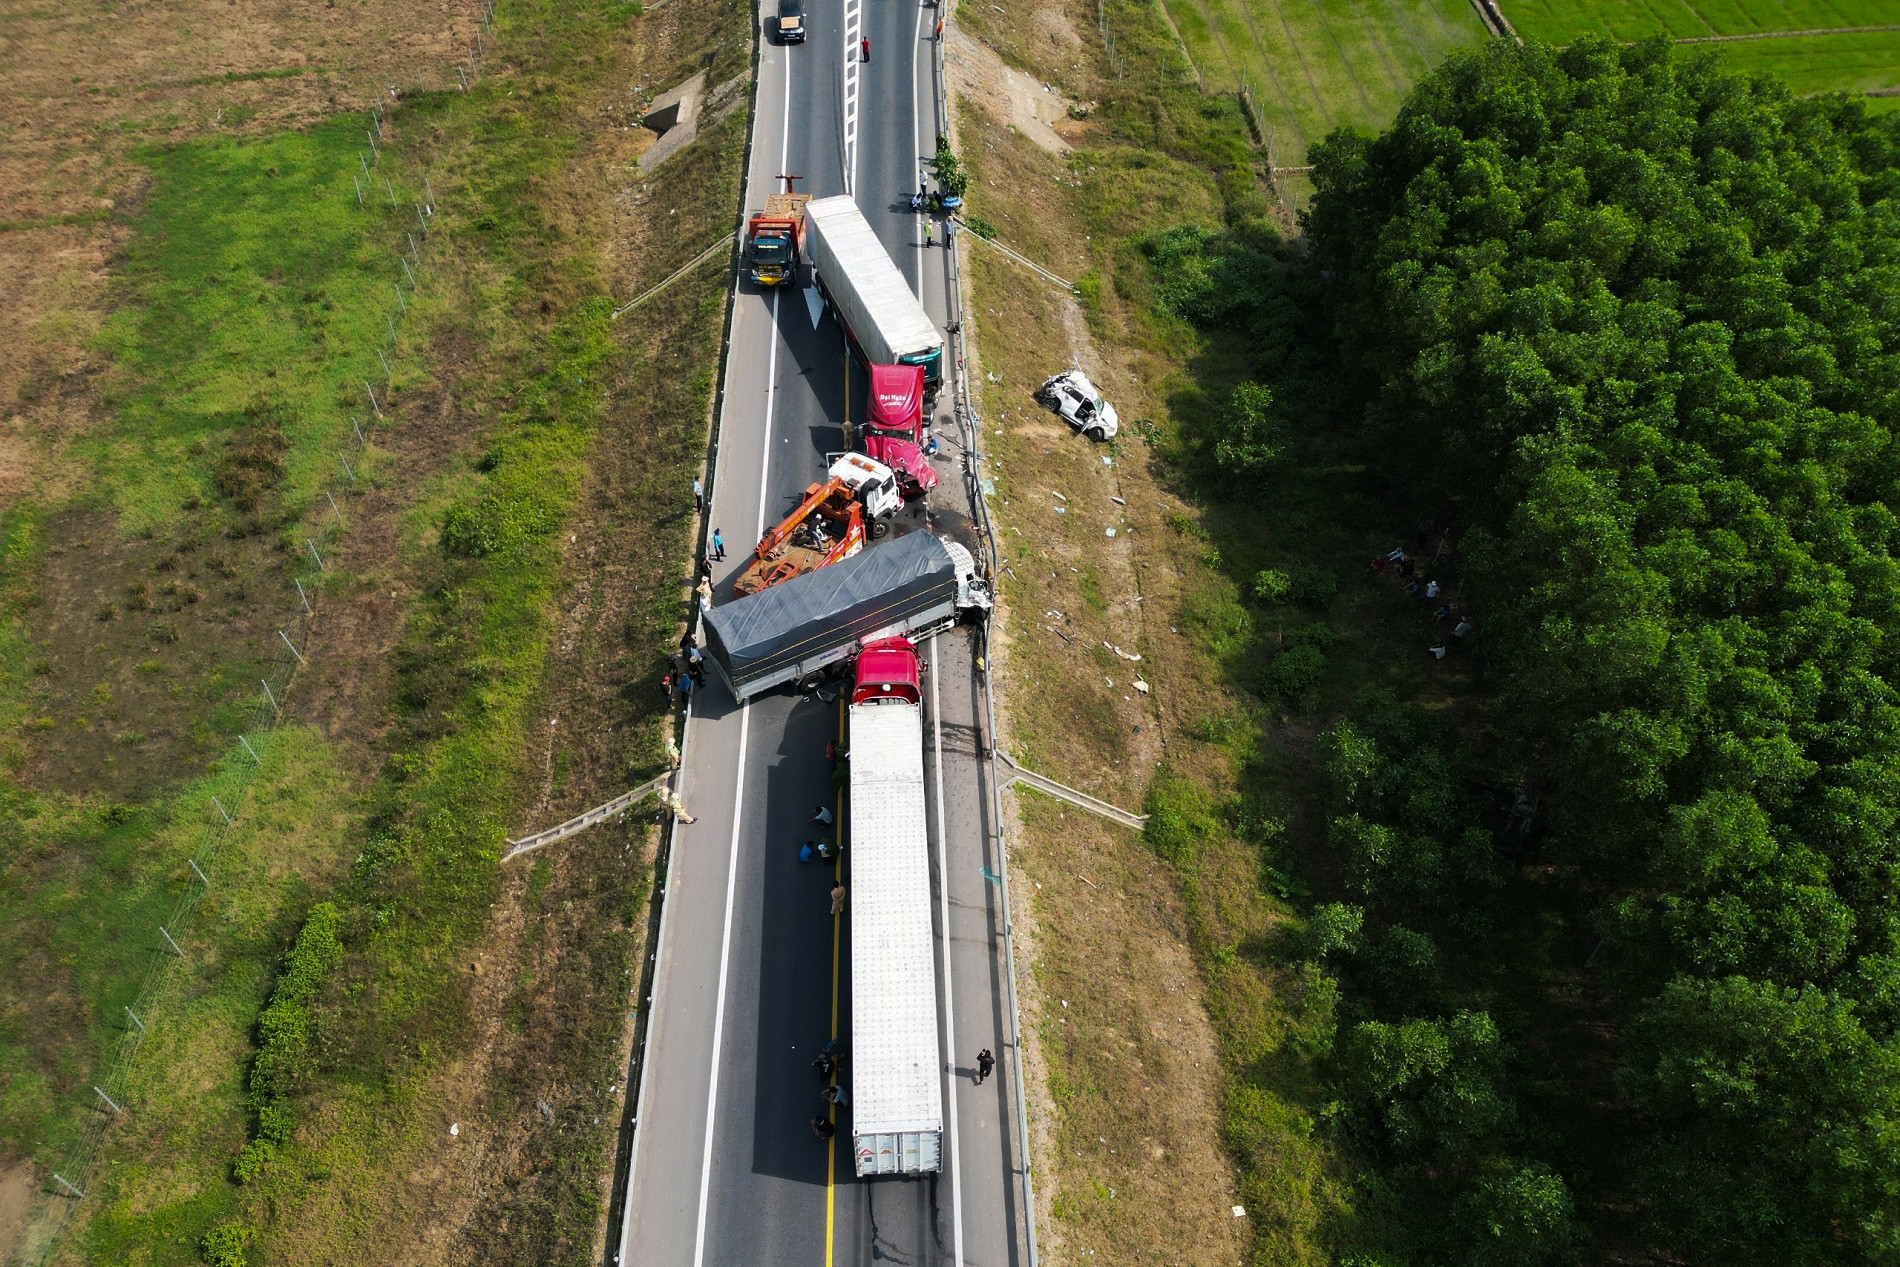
pixel 887 670
pixel 894 432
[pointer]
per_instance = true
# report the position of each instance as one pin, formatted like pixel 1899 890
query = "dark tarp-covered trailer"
pixel 798 626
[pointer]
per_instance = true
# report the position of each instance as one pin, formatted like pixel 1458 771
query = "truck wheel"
pixel 880 529
pixel 811 681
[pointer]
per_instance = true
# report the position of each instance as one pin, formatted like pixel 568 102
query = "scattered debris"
pixel 1141 686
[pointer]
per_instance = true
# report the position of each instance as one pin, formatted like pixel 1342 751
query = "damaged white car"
pixel 1072 395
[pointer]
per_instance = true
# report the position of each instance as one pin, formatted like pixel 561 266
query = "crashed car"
pixel 1072 395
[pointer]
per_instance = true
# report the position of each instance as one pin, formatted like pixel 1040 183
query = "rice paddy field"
pixel 1315 65
pixel 1815 45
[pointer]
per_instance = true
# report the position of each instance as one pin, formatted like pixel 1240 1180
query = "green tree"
pixel 1249 439
pixel 1776 1123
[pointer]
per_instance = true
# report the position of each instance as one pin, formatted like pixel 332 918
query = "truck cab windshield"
pixel 772 251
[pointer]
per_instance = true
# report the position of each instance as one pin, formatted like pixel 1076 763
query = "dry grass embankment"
pixel 1150 986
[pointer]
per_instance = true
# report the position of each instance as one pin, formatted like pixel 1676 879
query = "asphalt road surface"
pixel 753 975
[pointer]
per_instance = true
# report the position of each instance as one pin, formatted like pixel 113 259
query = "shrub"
pixel 1292 674
pixel 1249 442
pixel 1271 585
pixel 1312 587
pixel 1334 927
pixel 1519 1219
pixel 223 1246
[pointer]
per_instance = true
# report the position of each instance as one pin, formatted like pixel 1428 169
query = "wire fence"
pixel 404 202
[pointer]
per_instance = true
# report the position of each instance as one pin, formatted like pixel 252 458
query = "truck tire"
pixel 880 529
pixel 811 681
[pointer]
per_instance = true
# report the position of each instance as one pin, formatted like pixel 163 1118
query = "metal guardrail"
pixel 1094 805
pixel 1016 255
pixel 684 269
pixel 582 821
pixel 973 480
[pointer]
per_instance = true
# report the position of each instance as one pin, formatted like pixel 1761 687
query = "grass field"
pixel 1316 65
pixel 186 362
pixel 1849 61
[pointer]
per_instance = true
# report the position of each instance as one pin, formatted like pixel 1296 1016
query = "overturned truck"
pixel 799 631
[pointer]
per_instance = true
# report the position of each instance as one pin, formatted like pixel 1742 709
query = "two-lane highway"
pixel 752 975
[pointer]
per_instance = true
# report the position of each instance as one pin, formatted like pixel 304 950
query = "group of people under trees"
pixel 1426 589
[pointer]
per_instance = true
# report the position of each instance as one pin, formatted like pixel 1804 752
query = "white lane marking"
pixel 917 148
pixel 719 1012
pixel 943 907
pixel 853 33
pixel 653 1010
pixel 745 727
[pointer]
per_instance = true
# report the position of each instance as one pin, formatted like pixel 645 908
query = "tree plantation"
pixel 1630 325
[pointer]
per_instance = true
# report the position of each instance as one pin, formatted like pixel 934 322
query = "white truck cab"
pixel 875 486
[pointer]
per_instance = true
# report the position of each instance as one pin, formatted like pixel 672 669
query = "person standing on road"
pixel 676 807
pixel 821 1127
pixel 822 815
pixel 718 547
pixel 837 899
pixel 984 1063
pixel 864 48
pixel 927 241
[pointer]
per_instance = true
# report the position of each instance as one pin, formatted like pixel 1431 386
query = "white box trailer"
pixel 896 1070
pixel 880 313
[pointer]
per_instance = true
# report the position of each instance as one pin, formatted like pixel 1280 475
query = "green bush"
pixel 1312 587
pixel 980 226
pixel 1249 441
pixel 1292 674
pixel 1271 586
pixel 252 1159
pixel 223 1246
pixel 1333 928
pixel 1522 1218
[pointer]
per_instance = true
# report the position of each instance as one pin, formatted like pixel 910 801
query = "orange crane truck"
pixel 775 236
pixel 827 525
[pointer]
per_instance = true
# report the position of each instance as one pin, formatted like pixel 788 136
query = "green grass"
pixel 1810 64
pixel 1316 65
pixel 255 287
pixel 1558 21
pixel 82 896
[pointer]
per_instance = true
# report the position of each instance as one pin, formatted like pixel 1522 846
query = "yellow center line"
pixel 837 933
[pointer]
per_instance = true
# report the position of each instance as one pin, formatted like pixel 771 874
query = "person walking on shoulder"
pixel 837 900
pixel 699 494
pixel 718 547
pixel 705 592
pixel 984 1063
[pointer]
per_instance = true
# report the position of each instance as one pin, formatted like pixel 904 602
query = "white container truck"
pixel 896 1082
pixel 801 630
pixel 881 316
